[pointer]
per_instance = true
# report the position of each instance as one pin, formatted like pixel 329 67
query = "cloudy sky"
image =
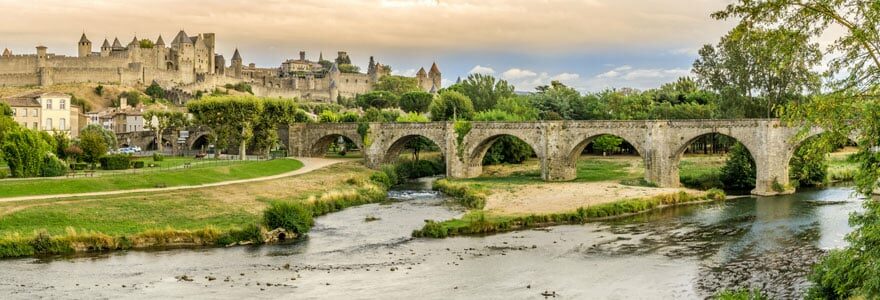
pixel 588 44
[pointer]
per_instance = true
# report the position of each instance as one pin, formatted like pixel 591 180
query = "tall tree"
pixel 161 120
pixel 756 69
pixel 229 118
pixel 484 90
pixel 853 105
pixel 398 85
pixel 451 105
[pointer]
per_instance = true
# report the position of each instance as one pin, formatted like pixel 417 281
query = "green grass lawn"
pixel 124 215
pixel 166 178
pixel 231 206
pixel 589 169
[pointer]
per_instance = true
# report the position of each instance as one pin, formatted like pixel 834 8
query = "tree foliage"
pixel 738 173
pixel 93 145
pixel 398 85
pixel 451 105
pixel 378 99
pixel 756 70
pixel 484 90
pixel 25 151
pixel 161 120
pixel 106 135
pixel 607 143
pixel 417 101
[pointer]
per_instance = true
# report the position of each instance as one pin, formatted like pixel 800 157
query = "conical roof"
pixel 134 41
pixel 83 39
pixel 421 72
pixel 160 41
pixel 434 69
pixel 6 52
pixel 106 44
pixel 116 43
pixel 181 38
pixel 236 56
pixel 457 81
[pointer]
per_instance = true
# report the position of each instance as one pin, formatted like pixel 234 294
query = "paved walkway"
pixel 309 164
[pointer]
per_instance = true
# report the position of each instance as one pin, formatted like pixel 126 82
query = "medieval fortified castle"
pixel 190 64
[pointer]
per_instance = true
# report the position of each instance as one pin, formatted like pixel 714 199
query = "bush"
pixel 138 164
pixel 115 162
pixel 738 173
pixel 377 99
pixel 412 169
pixel 52 167
pixel 451 104
pixel 158 157
pixel 417 102
pixel 381 178
pixel 289 215
pixel 25 152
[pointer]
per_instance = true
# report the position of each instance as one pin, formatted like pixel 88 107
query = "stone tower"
pixel 334 91
pixel 422 77
pixel 105 48
pixel 85 46
pixel 434 75
pixel 236 64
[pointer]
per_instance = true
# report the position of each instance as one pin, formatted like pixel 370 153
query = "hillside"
pixel 84 91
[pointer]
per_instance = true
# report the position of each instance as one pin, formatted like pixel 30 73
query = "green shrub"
pixel 43 243
pixel 4 173
pixel 251 232
pixel 412 169
pixel 115 162
pixel 738 172
pixel 289 215
pixel 53 167
pixel 462 193
pixel 711 180
pixel 138 164
pixel 25 151
pixel 158 157
pixel 381 178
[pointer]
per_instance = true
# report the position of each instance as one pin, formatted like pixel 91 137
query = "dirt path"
pixel 560 197
pixel 309 164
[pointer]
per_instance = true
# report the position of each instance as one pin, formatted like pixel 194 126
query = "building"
pixel 185 60
pixel 46 111
pixel 123 119
pixel 190 65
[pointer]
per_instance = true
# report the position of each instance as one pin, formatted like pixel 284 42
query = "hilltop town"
pixel 185 67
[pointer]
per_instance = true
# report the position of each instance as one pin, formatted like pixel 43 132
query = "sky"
pixel 591 45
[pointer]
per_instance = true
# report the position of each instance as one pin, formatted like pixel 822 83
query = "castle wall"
pixel 18 64
pixel 350 84
pixel 19 79
pixel 95 62
pixel 75 75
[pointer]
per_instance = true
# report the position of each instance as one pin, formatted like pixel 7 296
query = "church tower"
pixel 105 48
pixel 85 46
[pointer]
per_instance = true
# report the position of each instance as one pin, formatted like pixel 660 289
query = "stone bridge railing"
pixel 558 144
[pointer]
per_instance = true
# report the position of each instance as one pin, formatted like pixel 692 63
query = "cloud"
pixel 517 74
pixel 614 73
pixel 566 77
pixel 655 73
pixel 478 69
pixel 639 78
pixel 407 72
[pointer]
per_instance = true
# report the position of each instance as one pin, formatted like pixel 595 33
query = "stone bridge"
pixel 558 144
pixel 146 139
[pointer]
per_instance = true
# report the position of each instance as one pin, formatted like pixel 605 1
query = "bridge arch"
pixel 393 150
pixel 748 143
pixel 318 146
pixel 201 140
pixel 481 145
pixel 570 160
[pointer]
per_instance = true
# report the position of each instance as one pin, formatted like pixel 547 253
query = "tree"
pixel 161 120
pixel 93 146
pixel 155 91
pixel 229 118
pixel 61 142
pixel 108 136
pixel 417 101
pixel 99 90
pixel 738 172
pixel 377 99
pixel 757 70
pixel 349 68
pixel 554 101
pixel 146 44
pixel 132 98
pixel 607 144
pixel 451 105
pixel 808 167
pixel 484 90
pixel 398 85
pixel 24 151
pixel 275 112
pixel 7 124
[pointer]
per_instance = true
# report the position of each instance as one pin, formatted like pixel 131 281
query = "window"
pixel 35 126
pixel 48 103
pixel 62 104
pixel 62 124
pixel 34 113
pixel 48 124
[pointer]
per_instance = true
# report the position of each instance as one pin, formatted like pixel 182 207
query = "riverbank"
pixel 514 197
pixel 217 216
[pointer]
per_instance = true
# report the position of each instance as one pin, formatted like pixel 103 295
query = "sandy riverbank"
pixel 565 197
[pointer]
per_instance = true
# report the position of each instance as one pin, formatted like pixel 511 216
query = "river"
pixel 675 253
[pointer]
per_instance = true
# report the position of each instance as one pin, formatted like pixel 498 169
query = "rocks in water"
pixel 183 278
pixel 278 235
pixel 210 278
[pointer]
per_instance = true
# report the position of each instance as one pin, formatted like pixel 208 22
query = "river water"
pixel 676 253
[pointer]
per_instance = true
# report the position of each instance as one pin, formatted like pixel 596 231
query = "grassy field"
pixel 221 208
pixel 167 178
pixel 589 169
